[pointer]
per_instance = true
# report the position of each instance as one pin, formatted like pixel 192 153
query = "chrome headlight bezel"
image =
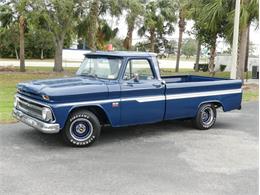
pixel 47 114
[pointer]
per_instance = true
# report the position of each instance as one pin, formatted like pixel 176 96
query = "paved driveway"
pixel 165 158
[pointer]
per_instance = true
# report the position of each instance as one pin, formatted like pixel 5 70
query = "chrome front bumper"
pixel 35 123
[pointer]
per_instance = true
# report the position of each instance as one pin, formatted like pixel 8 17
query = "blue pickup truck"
pixel 121 89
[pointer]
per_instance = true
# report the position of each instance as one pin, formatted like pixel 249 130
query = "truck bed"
pixel 185 93
pixel 189 78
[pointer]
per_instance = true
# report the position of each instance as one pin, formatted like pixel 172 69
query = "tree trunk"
pixel 42 54
pixel 247 51
pixel 58 55
pixel 152 40
pixel 212 58
pixel 181 30
pixel 129 37
pixel 16 53
pixel 21 39
pixel 242 52
pixel 198 56
pixel 93 26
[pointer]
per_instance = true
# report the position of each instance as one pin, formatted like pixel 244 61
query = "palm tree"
pixel 248 13
pixel 104 34
pixel 20 7
pixel 93 24
pixel 15 11
pixel 21 33
pixel 210 23
pixel 183 6
pixel 134 10
pixel 159 18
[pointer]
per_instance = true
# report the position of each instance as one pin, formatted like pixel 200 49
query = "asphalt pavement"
pixel 164 158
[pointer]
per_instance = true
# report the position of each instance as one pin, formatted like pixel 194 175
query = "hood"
pixel 65 89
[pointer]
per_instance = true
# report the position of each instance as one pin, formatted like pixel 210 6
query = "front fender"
pixel 62 112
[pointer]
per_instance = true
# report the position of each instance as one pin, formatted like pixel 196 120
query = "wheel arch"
pixel 98 110
pixel 216 103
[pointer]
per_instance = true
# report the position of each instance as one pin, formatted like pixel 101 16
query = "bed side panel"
pixel 183 99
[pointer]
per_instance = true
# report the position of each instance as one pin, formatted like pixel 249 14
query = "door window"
pixel 141 68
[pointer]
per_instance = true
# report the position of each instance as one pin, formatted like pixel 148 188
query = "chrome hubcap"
pixel 81 129
pixel 207 115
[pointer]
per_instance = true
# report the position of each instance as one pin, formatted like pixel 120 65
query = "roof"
pixel 122 54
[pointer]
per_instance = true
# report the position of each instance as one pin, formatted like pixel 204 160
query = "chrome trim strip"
pixel 35 123
pixel 89 102
pixel 203 94
pixel 33 101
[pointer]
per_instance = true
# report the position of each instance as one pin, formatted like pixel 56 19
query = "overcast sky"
pixel 121 24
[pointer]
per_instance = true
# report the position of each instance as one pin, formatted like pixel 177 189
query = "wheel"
pixel 206 117
pixel 82 129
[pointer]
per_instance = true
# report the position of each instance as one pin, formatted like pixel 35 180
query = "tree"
pixel 134 10
pixel 193 14
pixel 189 47
pixel 104 34
pixel 17 10
pixel 93 24
pixel 159 18
pixel 60 17
pixel 39 42
pixel 210 24
pixel 90 26
pixel 9 32
pixel 117 43
pixel 183 11
pixel 9 41
pixel 248 13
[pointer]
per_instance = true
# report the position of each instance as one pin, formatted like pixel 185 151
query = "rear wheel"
pixel 206 117
pixel 81 129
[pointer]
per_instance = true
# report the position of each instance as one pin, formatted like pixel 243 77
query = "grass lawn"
pixel 9 79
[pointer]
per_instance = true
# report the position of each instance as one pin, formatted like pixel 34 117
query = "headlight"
pixel 46 114
pixel 15 101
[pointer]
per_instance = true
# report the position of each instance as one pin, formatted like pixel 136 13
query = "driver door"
pixel 142 94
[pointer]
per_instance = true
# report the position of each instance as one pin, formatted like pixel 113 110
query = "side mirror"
pixel 136 77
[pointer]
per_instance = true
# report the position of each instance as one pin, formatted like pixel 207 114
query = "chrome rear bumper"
pixel 35 123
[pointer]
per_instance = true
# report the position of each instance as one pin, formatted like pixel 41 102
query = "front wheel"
pixel 206 117
pixel 81 129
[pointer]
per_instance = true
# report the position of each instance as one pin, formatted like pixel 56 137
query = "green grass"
pixel 250 92
pixel 9 80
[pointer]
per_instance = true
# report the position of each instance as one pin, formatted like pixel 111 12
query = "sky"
pixel 121 24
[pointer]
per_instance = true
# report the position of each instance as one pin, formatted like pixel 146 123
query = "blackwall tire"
pixel 206 117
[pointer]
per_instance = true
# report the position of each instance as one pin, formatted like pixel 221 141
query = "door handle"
pixel 129 84
pixel 157 85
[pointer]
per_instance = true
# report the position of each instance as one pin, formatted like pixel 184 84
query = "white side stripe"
pixel 157 97
pixel 145 98
pixel 203 94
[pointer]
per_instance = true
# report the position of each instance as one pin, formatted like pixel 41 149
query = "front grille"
pixel 26 93
pixel 30 108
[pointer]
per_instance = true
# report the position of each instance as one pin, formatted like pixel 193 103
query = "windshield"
pixel 100 67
